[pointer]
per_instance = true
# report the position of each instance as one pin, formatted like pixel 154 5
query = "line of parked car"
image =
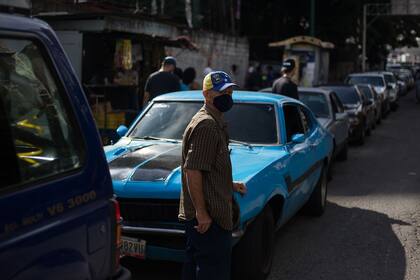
pixel 62 214
pixel 281 148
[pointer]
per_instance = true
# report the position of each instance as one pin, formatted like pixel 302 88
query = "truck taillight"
pixel 118 243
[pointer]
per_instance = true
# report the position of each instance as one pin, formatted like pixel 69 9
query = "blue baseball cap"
pixel 218 81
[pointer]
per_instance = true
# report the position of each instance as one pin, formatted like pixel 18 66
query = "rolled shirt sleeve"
pixel 202 148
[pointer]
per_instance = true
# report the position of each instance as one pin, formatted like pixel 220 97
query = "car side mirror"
pixel 122 130
pixel 298 138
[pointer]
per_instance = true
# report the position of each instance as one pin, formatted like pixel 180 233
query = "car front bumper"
pixel 163 243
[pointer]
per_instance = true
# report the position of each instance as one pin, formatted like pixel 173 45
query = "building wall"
pixel 405 7
pixel 217 51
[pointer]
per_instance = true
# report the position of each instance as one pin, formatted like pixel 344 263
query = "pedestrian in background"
pixel 189 79
pixel 207 187
pixel 162 81
pixel 180 74
pixel 284 85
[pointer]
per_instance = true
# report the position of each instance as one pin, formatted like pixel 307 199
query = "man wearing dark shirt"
pixel 162 81
pixel 284 85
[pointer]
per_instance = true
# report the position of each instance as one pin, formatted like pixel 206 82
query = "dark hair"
pixel 189 75
pixel 178 72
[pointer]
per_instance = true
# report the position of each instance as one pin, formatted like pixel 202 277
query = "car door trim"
pixel 293 185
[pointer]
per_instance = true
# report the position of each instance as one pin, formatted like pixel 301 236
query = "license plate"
pixel 133 247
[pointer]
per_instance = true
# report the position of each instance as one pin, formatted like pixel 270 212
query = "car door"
pixel 56 209
pixel 341 120
pixel 300 158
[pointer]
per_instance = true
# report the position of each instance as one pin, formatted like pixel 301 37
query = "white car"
pixel 377 80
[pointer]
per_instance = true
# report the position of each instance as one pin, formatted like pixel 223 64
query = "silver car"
pixel 373 96
pixel 330 113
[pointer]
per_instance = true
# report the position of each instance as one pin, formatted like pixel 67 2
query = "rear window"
pixel 376 81
pixel 317 102
pixel 347 95
pixel 389 78
pixel 366 90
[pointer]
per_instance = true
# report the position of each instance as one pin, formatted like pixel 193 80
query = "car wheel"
pixel 342 156
pixel 318 200
pixel 369 131
pixel 361 139
pixel 258 241
pixel 379 121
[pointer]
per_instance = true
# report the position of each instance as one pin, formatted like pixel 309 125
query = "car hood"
pixel 151 169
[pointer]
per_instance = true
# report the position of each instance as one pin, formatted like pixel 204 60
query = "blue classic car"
pixel 277 148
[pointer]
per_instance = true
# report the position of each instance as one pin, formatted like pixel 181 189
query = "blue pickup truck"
pixel 58 217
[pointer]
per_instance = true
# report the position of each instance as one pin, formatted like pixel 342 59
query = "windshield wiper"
pixel 241 143
pixel 157 138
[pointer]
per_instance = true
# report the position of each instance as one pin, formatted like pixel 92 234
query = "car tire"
pixel 318 200
pixel 342 156
pixel 259 240
pixel 361 140
pixel 368 130
pixel 379 121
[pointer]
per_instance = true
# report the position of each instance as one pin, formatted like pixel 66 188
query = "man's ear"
pixel 207 95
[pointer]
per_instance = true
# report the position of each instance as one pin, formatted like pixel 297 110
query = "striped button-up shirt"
pixel 205 148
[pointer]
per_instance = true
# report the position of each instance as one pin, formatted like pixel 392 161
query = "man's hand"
pixel 240 188
pixel 204 221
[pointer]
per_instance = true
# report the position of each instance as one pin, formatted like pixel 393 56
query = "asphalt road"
pixel 371 228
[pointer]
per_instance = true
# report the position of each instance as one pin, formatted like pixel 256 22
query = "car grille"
pixel 149 210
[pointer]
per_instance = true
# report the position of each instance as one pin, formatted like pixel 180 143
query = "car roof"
pixel 333 86
pixel 21 23
pixel 238 96
pixel 382 72
pixel 372 74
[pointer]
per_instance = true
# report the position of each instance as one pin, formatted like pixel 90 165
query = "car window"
pixel 317 102
pixel 389 78
pixel 333 105
pixel 366 91
pixel 347 95
pixel 337 102
pixel 307 120
pixel 249 122
pixel 293 120
pixel 36 119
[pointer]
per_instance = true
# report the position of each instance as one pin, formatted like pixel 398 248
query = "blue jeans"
pixel 207 255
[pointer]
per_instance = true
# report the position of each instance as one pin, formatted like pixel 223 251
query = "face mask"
pixel 223 103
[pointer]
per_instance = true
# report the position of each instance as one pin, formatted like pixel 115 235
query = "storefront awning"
pixel 167 34
pixel 302 40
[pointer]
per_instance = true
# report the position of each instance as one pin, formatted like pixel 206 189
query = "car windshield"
pixel 347 95
pixel 376 81
pixel 317 102
pixel 247 122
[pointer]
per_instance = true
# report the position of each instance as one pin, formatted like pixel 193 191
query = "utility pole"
pixel 312 24
pixel 364 38
pixel 375 10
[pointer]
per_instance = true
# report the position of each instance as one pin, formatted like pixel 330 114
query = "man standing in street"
pixel 162 81
pixel 207 186
pixel 284 85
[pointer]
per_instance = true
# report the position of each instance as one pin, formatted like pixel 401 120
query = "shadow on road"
pixel 346 243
